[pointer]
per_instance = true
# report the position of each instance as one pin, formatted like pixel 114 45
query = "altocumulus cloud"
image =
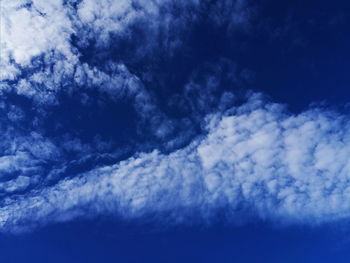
pixel 256 158
pixel 43 43
pixel 253 159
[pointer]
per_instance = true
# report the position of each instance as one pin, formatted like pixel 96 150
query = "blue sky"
pixel 167 131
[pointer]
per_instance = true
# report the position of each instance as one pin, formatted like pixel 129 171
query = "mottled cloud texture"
pixel 246 157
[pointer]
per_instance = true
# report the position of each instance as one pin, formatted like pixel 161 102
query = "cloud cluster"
pixel 210 154
pixel 23 159
pixel 47 45
pixel 255 159
pixel 43 42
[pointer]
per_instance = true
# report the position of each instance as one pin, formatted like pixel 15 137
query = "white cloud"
pixel 31 28
pixel 280 167
pixel 256 157
pixel 108 16
pixel 44 28
pixel 37 49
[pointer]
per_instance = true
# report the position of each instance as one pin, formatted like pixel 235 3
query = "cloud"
pixel 47 46
pixel 38 51
pixel 256 159
pixel 23 158
pixel 69 48
pixel 205 155
pixel 30 28
pixel 29 157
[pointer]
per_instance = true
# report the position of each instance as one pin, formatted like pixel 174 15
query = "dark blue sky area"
pixel 296 51
pixel 111 242
pixel 300 52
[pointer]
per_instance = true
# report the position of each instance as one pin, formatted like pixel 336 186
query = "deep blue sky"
pixel 111 242
pixel 295 52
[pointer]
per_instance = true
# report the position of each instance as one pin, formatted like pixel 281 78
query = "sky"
pixel 174 131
